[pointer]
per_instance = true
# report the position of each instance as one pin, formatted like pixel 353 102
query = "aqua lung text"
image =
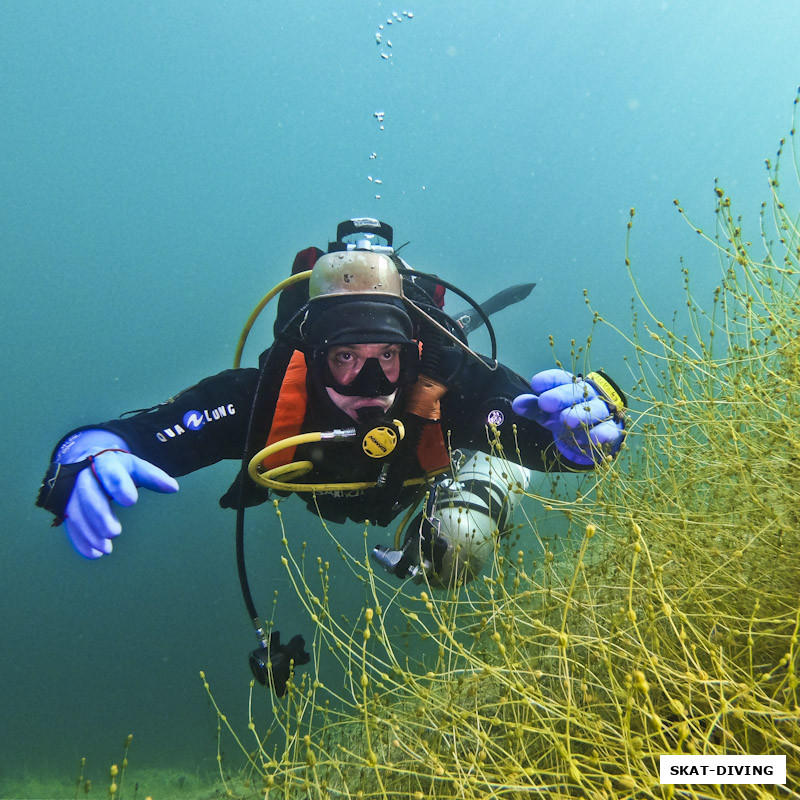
pixel 195 420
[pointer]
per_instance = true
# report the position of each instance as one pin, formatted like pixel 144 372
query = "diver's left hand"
pixel 583 426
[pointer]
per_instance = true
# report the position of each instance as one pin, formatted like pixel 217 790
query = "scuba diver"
pixel 369 401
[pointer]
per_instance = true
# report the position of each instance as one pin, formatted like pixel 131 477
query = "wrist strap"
pixel 59 481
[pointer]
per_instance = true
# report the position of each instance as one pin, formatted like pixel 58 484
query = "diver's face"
pixel 346 361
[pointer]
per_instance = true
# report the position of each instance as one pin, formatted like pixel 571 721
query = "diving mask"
pixel 371 380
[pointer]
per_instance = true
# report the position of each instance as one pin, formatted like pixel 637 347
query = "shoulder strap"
pixel 432 453
pixel 290 410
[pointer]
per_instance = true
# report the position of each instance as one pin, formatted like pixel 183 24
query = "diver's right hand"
pixel 111 472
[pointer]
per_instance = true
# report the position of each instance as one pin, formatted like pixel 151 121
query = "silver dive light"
pixel 452 540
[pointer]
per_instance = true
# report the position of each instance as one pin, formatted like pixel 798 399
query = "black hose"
pixel 463 295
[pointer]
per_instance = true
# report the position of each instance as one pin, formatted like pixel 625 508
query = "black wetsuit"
pixel 208 422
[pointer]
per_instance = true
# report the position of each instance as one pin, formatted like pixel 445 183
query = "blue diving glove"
pixel 585 415
pixel 91 468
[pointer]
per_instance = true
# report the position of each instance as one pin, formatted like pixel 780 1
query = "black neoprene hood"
pixel 357 320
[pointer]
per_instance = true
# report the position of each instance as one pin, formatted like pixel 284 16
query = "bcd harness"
pixel 291 407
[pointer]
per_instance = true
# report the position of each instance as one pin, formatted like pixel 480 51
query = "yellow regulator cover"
pixel 379 442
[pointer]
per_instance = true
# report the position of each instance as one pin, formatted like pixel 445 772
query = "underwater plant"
pixel 665 620
pixel 116 774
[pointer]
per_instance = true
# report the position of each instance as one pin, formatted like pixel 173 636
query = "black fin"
pixel 471 321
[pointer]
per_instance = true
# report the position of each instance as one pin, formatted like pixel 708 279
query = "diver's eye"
pixel 343 357
pixel 389 355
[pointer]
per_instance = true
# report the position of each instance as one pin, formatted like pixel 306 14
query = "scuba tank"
pixel 452 539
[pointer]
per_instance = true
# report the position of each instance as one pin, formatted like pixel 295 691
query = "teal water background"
pixel 161 163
